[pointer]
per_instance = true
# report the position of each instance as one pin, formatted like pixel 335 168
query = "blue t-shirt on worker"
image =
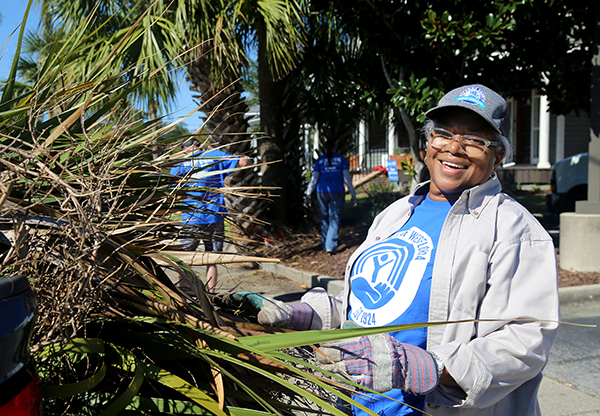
pixel 205 169
pixel 391 284
pixel 331 178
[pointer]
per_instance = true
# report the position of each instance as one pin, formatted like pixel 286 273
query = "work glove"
pixel 272 312
pixel 353 201
pixel 381 363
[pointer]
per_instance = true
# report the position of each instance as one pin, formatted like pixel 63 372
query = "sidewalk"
pixel 558 399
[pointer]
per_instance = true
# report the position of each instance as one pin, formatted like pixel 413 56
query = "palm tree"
pixel 157 35
pixel 276 28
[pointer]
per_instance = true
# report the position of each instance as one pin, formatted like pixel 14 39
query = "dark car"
pixel 568 184
pixel 19 387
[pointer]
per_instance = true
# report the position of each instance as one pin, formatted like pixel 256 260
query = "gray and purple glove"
pixel 381 363
pixel 272 312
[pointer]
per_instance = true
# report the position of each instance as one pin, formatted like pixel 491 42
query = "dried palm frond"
pixel 91 214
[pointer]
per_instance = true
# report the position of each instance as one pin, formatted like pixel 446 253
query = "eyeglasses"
pixel 472 145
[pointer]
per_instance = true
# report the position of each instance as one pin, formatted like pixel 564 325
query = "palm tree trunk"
pixel 271 122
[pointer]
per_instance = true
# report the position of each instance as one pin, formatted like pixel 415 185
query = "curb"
pixel 568 295
pixel 331 285
pixel 579 294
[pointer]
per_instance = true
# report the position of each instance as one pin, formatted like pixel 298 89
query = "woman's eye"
pixel 444 134
pixel 474 141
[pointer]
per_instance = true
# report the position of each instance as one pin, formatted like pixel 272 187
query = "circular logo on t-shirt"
pixel 391 270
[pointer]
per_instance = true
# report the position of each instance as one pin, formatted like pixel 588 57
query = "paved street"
pixel 572 383
pixel 575 356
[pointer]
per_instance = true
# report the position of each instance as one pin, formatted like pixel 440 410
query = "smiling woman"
pixel 457 249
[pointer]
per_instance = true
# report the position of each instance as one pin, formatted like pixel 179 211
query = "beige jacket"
pixel 494 261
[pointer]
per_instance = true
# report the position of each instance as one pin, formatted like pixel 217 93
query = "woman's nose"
pixel 453 147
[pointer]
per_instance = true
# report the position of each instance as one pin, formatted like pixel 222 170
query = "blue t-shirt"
pixel 205 203
pixel 332 178
pixel 391 284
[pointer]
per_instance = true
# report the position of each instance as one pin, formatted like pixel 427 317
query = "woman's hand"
pixel 382 363
pixel 272 312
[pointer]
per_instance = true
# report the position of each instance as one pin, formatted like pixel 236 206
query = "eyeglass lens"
pixel 471 145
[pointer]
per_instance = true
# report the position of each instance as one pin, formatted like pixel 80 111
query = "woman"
pixel 330 173
pixel 457 249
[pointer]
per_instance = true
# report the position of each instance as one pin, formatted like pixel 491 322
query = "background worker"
pixel 207 205
pixel 330 172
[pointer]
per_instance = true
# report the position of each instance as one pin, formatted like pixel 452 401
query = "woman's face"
pixel 451 170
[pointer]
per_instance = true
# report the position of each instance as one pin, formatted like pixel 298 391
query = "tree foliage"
pixel 155 36
pixel 550 49
pixel 422 49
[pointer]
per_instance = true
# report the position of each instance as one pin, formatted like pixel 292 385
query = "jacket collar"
pixel 475 198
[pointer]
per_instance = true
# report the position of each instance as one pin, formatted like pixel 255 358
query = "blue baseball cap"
pixel 481 100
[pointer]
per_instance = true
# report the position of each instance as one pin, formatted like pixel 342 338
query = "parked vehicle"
pixel 19 387
pixel 568 184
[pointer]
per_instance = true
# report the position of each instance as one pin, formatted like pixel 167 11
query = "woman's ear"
pixel 499 156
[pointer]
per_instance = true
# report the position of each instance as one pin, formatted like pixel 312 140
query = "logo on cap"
pixel 472 95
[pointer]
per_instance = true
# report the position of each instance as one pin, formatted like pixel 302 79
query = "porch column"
pixel 544 139
pixel 362 143
pixel 316 142
pixel 306 139
pixel 391 134
pixel 560 138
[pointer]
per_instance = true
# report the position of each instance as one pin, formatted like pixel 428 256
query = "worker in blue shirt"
pixel 207 205
pixel 330 173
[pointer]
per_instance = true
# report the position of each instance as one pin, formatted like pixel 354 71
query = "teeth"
pixel 452 165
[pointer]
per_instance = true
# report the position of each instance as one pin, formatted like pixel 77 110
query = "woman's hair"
pixel 429 124
pixel 190 142
pixel 329 148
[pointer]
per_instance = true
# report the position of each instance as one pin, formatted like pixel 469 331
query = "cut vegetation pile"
pixel 90 212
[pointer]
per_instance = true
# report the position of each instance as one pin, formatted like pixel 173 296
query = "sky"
pixel 12 15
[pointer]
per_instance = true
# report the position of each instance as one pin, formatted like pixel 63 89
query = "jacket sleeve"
pixel 328 309
pixel 520 301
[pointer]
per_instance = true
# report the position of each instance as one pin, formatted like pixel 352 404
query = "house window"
pixel 377 137
pixel 402 138
pixel 512 105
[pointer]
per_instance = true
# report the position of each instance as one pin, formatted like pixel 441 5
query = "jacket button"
pixel 377 238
